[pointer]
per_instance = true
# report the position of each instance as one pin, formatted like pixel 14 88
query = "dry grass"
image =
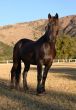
pixel 60 90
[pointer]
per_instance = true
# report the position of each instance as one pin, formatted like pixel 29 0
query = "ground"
pixel 60 90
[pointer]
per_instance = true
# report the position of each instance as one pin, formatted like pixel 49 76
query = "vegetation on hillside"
pixel 66 47
pixel 5 52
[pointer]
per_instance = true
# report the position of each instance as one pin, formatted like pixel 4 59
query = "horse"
pixel 40 52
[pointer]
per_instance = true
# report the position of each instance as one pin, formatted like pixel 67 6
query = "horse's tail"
pixel 16 68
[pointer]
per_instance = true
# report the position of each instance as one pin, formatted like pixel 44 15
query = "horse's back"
pixel 22 43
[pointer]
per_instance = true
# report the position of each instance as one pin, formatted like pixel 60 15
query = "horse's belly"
pixel 33 62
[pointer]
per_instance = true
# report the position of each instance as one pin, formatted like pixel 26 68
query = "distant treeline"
pixel 66 47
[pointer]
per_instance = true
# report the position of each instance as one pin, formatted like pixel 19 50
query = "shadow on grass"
pixel 69 73
pixel 53 100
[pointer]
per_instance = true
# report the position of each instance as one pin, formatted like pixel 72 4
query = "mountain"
pixel 10 34
pixel 68 25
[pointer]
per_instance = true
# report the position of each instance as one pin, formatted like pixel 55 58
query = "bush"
pixel 5 51
pixel 66 47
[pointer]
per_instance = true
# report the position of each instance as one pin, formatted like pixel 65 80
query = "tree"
pixel 66 47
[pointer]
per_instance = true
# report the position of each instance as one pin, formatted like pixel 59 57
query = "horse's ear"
pixel 56 16
pixel 49 16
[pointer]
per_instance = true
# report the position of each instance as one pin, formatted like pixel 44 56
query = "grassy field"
pixel 60 90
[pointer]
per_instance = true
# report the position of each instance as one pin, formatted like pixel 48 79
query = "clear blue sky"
pixel 15 11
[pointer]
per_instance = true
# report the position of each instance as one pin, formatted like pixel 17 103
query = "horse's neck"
pixel 46 38
pixel 42 39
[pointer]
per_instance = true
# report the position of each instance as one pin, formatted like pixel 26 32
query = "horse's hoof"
pixel 40 90
pixel 43 90
pixel 26 89
pixel 40 93
pixel 11 86
pixel 17 88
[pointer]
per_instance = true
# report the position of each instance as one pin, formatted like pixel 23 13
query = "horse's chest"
pixel 47 53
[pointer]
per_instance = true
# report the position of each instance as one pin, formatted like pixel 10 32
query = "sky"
pixel 17 11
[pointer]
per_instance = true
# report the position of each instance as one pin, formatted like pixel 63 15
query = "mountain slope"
pixel 68 25
pixel 10 34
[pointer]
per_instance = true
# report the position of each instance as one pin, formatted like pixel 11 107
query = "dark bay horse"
pixel 40 52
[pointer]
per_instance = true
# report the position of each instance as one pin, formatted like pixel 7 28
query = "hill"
pixel 68 25
pixel 10 34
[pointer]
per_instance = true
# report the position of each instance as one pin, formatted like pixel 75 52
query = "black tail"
pixel 16 68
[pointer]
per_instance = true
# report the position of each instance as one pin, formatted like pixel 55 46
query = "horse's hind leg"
pixel 12 77
pixel 15 74
pixel 26 69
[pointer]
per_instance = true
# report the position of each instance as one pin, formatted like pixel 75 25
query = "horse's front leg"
pixel 46 69
pixel 39 77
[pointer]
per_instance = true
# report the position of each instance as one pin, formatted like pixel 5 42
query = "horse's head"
pixel 52 27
